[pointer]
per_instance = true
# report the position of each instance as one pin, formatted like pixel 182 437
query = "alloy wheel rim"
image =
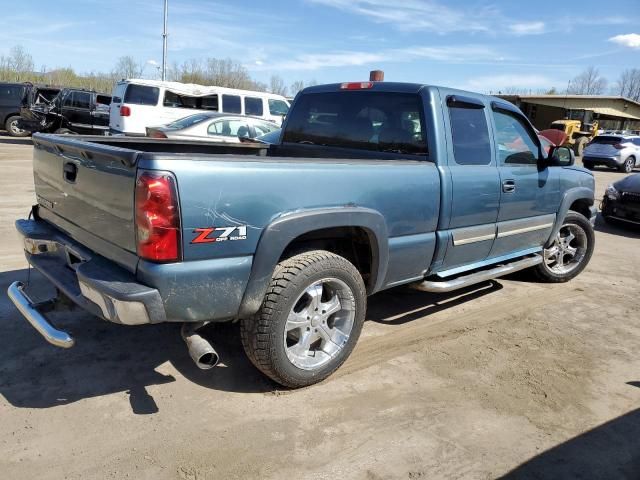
pixel 14 127
pixel 319 324
pixel 629 166
pixel 568 250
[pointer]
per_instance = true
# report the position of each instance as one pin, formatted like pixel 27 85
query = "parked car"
pixel 138 104
pixel 621 201
pixel 614 151
pixel 71 111
pixel 11 95
pixel 370 186
pixel 214 127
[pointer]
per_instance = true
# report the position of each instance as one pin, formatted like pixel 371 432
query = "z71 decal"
pixel 219 234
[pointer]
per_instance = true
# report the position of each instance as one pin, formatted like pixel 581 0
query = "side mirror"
pixel 561 156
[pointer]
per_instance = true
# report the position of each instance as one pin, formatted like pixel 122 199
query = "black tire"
pixel 628 165
pixel 263 335
pixel 545 273
pixel 587 165
pixel 63 131
pixel 578 146
pixel 11 126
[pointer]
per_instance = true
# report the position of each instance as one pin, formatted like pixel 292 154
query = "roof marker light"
pixel 356 85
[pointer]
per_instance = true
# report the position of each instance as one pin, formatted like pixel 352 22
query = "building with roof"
pixel 611 112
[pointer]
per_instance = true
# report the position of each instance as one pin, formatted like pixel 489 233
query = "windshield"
pixel 377 121
pixel 189 121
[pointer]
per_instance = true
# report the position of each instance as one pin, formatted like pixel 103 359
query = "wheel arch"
pixel 280 237
pixel 579 199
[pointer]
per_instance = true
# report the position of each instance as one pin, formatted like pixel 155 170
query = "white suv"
pixel 615 151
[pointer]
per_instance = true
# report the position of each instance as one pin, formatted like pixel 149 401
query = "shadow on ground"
pixel 8 140
pixel 610 451
pixel 109 358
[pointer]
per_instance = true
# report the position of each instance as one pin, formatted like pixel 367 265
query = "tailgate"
pixel 87 190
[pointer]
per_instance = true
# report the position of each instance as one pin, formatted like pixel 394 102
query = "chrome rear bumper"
pixel 29 310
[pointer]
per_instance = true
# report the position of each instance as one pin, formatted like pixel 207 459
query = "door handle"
pixel 70 172
pixel 509 186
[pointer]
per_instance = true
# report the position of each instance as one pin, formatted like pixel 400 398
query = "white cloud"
pixel 419 14
pixel 631 40
pixel 496 83
pixel 527 28
pixel 445 54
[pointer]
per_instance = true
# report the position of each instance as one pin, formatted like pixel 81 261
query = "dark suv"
pixel 11 95
pixel 71 111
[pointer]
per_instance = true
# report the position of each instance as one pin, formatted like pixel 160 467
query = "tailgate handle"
pixel 70 172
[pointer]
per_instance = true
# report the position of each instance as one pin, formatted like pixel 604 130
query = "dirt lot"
pixel 512 378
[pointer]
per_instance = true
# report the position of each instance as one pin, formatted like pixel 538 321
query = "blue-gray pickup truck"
pixel 370 186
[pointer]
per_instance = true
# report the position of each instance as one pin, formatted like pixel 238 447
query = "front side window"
pixel 141 95
pixel 470 135
pixel 229 128
pixel 365 120
pixel 231 104
pixel 278 107
pixel 515 143
pixel 253 106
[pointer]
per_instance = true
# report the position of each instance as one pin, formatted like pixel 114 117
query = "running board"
pixel 478 277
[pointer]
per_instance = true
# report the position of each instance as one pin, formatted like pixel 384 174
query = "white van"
pixel 138 104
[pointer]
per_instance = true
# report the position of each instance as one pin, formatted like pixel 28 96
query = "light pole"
pixel 164 41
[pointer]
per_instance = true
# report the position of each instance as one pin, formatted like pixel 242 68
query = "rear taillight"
pixel 157 217
pixel 618 146
pixel 356 85
pixel 125 111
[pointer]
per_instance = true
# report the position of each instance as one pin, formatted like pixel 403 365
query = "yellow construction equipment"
pixel 577 134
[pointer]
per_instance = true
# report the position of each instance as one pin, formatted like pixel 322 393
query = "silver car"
pixel 213 127
pixel 615 151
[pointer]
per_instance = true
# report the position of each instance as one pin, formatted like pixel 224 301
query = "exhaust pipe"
pixel 200 350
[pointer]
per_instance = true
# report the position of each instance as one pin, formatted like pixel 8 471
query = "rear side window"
pixel 278 107
pixel 141 95
pixel 10 94
pixel 231 104
pixel 470 134
pixel 365 120
pixel 189 121
pixel 253 106
pixel 607 140
pixel 515 143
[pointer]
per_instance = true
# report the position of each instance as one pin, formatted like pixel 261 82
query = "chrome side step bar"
pixel 478 277
pixel 29 310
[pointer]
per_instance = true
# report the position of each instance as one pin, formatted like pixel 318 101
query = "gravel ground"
pixel 512 378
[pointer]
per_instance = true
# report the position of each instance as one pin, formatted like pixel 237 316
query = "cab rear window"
pixel 376 121
pixel 141 95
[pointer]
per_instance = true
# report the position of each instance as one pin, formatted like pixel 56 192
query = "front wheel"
pixel 310 319
pixel 570 251
pixel 11 125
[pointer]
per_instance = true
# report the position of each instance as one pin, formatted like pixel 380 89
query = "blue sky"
pixel 482 46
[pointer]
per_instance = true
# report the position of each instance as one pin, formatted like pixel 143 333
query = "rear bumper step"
pixel 29 310
pixel 478 277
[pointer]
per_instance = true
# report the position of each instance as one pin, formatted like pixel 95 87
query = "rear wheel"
pixel 570 251
pixel 587 165
pixel 578 146
pixel 628 165
pixel 310 319
pixel 11 125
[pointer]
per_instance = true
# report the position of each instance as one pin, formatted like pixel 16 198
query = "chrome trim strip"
pixel 478 233
pixel 624 219
pixel 517 231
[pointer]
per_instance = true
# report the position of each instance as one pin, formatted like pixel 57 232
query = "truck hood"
pixel 629 184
